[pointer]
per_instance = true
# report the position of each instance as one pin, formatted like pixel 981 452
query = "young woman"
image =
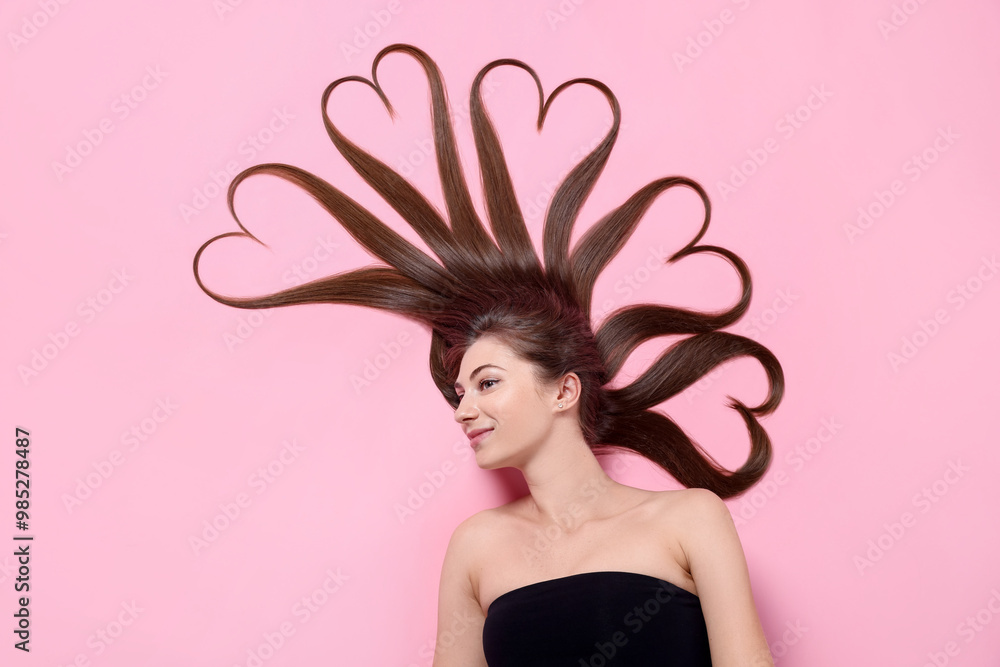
pixel 623 576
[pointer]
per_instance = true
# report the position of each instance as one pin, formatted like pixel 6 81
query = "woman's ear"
pixel 568 391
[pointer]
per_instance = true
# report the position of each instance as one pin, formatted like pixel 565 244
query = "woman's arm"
pixel 719 570
pixel 460 616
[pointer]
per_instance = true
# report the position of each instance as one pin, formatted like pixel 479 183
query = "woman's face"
pixel 502 406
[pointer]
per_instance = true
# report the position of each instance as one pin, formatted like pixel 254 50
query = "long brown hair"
pixel 499 287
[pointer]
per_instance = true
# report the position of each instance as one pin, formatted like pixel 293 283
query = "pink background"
pixel 872 541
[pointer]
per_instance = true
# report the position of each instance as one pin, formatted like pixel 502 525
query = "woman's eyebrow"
pixel 458 385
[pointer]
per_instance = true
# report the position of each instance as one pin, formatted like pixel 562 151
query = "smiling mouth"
pixel 477 436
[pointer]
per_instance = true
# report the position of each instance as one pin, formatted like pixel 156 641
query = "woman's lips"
pixel 477 436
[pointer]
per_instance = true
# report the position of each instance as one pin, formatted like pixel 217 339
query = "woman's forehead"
pixel 487 350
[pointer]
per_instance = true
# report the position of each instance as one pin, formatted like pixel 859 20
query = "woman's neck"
pixel 568 486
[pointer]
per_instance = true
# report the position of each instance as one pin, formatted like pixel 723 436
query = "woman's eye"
pixel 483 384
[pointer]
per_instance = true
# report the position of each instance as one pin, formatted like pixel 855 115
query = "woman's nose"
pixel 466 409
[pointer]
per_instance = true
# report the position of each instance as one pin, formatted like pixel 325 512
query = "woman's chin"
pixel 483 461
pixel 487 462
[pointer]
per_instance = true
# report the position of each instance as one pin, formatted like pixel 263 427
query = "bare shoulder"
pixel 474 535
pixel 711 545
pixel 470 534
pixel 690 508
pixel 700 510
pixel 460 615
pixel 470 527
pixel 696 519
pixel 485 521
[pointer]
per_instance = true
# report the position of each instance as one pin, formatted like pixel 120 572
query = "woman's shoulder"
pixel 688 512
pixel 683 503
pixel 474 539
pixel 692 501
pixel 700 523
pixel 476 531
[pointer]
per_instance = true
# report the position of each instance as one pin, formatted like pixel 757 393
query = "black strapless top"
pixel 597 618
